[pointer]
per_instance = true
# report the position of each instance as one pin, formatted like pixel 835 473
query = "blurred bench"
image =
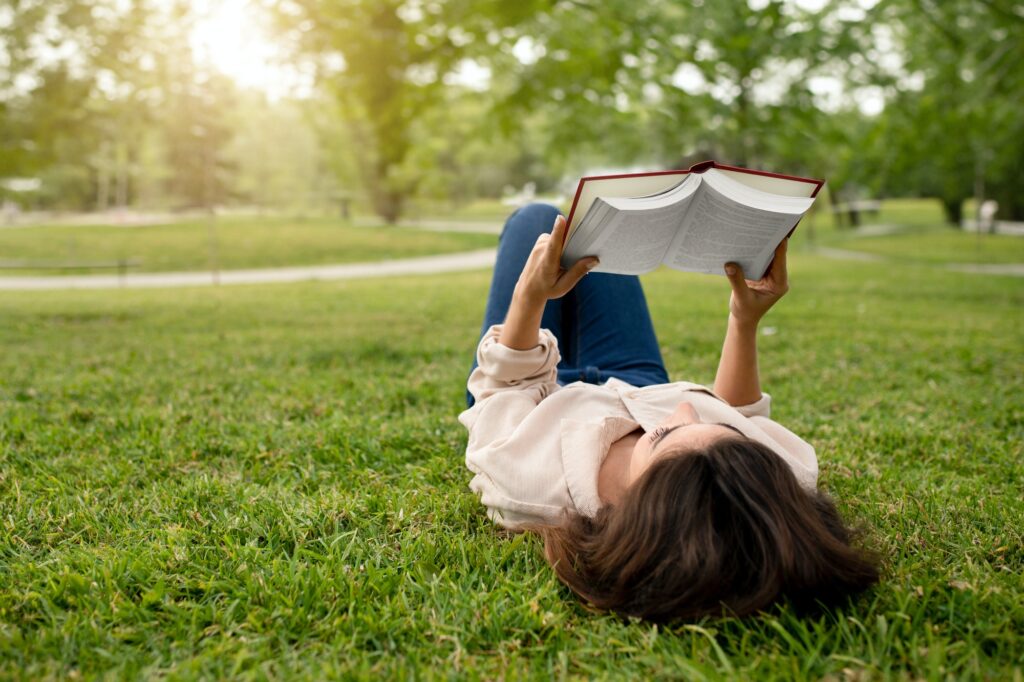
pixel 851 210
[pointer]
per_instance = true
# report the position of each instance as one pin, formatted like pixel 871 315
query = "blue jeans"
pixel 603 326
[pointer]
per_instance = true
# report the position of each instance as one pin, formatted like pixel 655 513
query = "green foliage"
pixel 268 482
pixel 63 60
pixel 905 98
pixel 394 60
pixel 952 128
pixel 686 81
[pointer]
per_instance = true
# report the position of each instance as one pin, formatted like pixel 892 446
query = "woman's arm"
pixel 737 378
pixel 542 278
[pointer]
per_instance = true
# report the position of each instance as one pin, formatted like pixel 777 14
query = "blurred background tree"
pixel 951 128
pixel 300 103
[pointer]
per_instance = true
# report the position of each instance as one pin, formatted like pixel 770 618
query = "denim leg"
pixel 603 326
pixel 517 239
pixel 614 335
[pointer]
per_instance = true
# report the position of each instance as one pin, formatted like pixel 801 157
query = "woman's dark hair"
pixel 721 530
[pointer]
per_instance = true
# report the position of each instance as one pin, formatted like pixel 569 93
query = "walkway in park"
pixel 455 262
pixel 452 262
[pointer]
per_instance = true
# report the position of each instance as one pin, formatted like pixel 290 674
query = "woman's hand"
pixel 750 300
pixel 543 277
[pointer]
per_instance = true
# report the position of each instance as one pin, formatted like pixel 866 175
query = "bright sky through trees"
pixel 232 36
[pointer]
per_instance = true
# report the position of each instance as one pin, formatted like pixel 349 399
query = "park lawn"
pixel 241 242
pixel 482 209
pixel 268 481
pixel 936 244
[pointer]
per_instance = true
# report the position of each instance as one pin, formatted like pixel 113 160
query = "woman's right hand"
pixel 751 299
pixel 543 277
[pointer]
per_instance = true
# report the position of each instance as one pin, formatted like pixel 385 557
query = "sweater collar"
pixel 584 447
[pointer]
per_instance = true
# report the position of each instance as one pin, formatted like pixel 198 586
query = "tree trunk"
pixel 121 184
pixel 388 204
pixel 837 214
pixel 954 210
pixel 103 179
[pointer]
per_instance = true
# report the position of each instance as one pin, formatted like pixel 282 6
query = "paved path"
pixel 844 254
pixel 453 262
pixel 1010 269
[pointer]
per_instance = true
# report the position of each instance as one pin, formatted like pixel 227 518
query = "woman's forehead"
pixel 696 435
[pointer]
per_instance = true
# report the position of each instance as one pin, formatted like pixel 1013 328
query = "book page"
pixel 764 183
pixel 718 230
pixel 628 242
pixel 753 197
pixel 673 195
pixel 620 186
pixel 588 229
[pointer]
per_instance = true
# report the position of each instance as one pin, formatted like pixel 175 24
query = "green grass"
pixel 917 235
pixel 908 211
pixel 476 210
pixel 936 244
pixel 249 242
pixel 258 242
pixel 269 482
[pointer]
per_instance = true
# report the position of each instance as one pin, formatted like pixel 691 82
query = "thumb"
pixel 573 275
pixel 734 271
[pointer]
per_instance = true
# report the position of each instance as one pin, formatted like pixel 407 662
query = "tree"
pixel 193 117
pixel 274 153
pixel 385 62
pixel 82 114
pixel 666 82
pixel 952 126
pixel 67 113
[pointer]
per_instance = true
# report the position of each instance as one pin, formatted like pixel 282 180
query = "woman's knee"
pixel 532 220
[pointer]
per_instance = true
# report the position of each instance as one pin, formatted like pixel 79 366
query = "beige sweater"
pixel 536 447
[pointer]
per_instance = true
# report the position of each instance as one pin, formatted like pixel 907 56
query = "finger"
pixel 558 231
pixel 540 247
pixel 734 271
pixel 553 246
pixel 778 269
pixel 573 275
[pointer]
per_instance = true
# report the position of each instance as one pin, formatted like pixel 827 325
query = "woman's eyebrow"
pixel 664 433
pixel 730 426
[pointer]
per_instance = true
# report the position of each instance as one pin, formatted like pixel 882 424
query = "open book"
pixel 695 220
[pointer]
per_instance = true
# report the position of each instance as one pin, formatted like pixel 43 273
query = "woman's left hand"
pixel 543 277
pixel 751 299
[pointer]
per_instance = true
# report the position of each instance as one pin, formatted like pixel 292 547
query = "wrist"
pixel 743 324
pixel 525 298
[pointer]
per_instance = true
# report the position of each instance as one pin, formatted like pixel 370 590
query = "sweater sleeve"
pixel 508 386
pixel 501 368
pixel 762 407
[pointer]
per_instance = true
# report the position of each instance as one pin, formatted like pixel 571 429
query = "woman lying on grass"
pixel 654 499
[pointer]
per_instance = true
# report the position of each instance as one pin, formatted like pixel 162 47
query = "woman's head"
pixel 722 526
pixel 682 430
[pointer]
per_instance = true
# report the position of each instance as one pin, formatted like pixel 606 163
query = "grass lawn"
pixel 268 482
pixel 242 242
pixel 935 244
